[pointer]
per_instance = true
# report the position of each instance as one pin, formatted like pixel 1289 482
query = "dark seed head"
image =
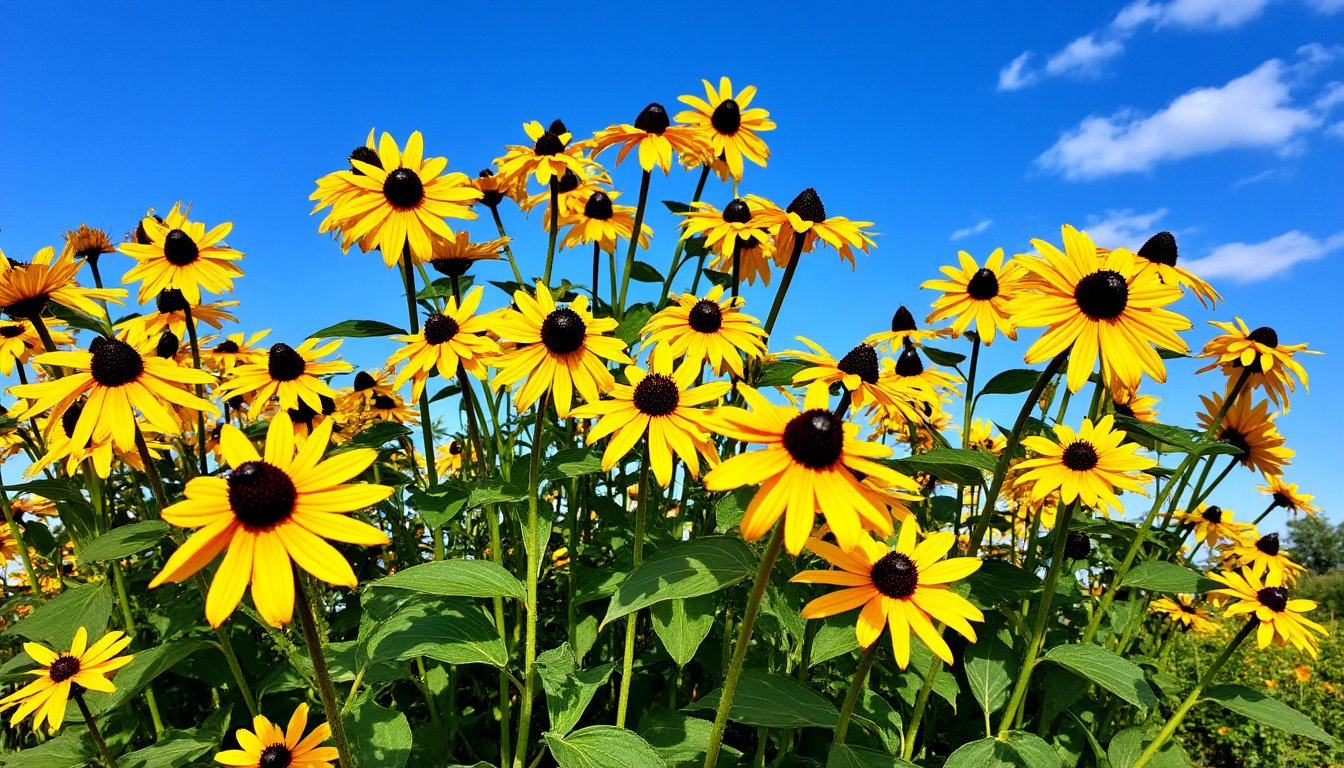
pixel 895 575
pixel 563 331
pixel 71 417
pixel 808 206
pixel 490 197
pixel 439 329
pixel 63 668
pixel 275 756
pixel 114 362
pixel 568 182
pixel 1269 544
pixel 815 438
pixel 1102 295
pixel 11 331
pixel 1281 500
pixel 862 362
pixel 737 212
pixel 727 117
pixel 451 267
pixel 384 403
pixel 261 495
pixel 653 119
pixel 909 363
pixel 1213 514
pixel 403 188
pixel 706 316
pixel 168 345
pixel 364 381
pixel 558 127
pixel 305 414
pixel 1122 409
pixel 1265 336
pixel 455 448
pixel 284 364
pixel 1237 440
pixel 903 321
pixel 657 395
pixel 227 347
pixel 598 206
pixel 179 248
pixel 983 285
pixel 1273 598
pixel 365 155
pixel 1077 545
pixel 1080 456
pixel 29 309
pixel 548 144
pixel 1160 248
pixel 171 300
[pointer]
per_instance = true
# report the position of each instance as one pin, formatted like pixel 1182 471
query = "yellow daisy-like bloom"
pixel 26 289
pixel 182 254
pixel 571 192
pixel 808 464
pixel 401 200
pixel 859 373
pixel 268 512
pixel 728 125
pixel 1184 612
pixel 84 665
pixel 982 438
pixel 1261 555
pixel 1127 402
pixel 19 338
pixel 655 137
pixel 711 330
pixel 977 294
pixel 903 328
pixel 734 235
pixel 548 158
pixel 61 448
pixel 603 222
pixel 269 746
pixel 118 380
pixel 1271 365
pixel 171 316
pixel 1213 524
pixel 451 338
pixel 448 458
pixel 289 374
pixel 1280 617
pixel 454 257
pixel 905 588
pixel 560 350
pixel 495 189
pixel 87 243
pixel 224 355
pixel 1105 308
pixel 1287 496
pixel 1251 430
pixel 663 406
pixel 389 408
pixel 806 217
pixel 910 374
pixel 1085 466
pixel 1159 254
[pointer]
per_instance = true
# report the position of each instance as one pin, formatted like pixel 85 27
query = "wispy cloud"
pixel 977 228
pixel 1254 262
pixel 1123 229
pixel 1273 174
pixel 1083 57
pixel 1015 76
pixel 1191 14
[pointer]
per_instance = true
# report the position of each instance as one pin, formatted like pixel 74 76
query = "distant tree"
pixel 1315 544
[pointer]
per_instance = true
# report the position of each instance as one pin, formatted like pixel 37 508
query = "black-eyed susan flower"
pixel 604 222
pixel 289 374
pixel 808 465
pixel 1213 524
pixel 27 289
pixel 1280 617
pixel 548 158
pixel 1086 466
pixel 19 339
pixel 1184 612
pixel 270 512
pixel 903 328
pixel 171 316
pixel 806 217
pixel 1262 556
pixel 397 203
pixel 494 189
pixel 306 420
pixel 60 448
pixel 1097 307
pixel 662 406
pixel 905 588
pixel 981 437
pixel 449 339
pixel 182 254
pixel 223 355
pixel 118 381
pixel 979 295
pixel 1271 366
pixel 909 374
pixel 741 243
pixel 1128 402
pixel 1287 496
pixel 711 330
pixel 86 666
pixel 1251 430
pixel 87 243
pixel 560 349
pixel 859 372
pixel 572 191
pixel 267 745
pixel 453 257
pixel 655 138
pixel 728 124
pixel 1159 255
pixel 448 458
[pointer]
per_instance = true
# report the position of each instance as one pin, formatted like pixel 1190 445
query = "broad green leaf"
pixel 954 465
pixel 121 542
pixel 676 207
pixel 773 701
pixel 881 719
pixel 997 582
pixel 494 491
pixel 836 637
pixel 380 434
pixel 1266 710
pixel 779 373
pixel 440 503
pixel 633 322
pixel 1163 576
pixel 572 462
pixel 72 747
pixel 1011 382
pixel 357 329
pixel 450 630
pixel 990 669
pixel 1019 749
pixel 76 319
pixel 1120 676
pixel 568 688
pixel 728 510
pixel 679 738
pixel 642 272
pixel 685 569
pixel 912 679
pixel 943 357
pixel 1128 744
pixel 603 746
pixel 1061 688
pixel 1180 438
pixel 57 490
pixel 683 624
pixel 175 749
pixel 55 623
pixel 379 738
pixel 147 665
pixel 456 578
pixel 849 756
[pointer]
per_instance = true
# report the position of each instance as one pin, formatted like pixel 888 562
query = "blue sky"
pixel 951 126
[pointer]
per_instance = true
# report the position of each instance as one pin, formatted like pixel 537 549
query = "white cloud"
pixel 1253 262
pixel 1123 229
pixel 1327 6
pixel 1015 76
pixel 1083 57
pixel 1191 14
pixel 1273 174
pixel 1331 98
pixel 1254 110
pixel 980 226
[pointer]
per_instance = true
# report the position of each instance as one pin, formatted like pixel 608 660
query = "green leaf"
pixel 675 207
pixel 175 749
pixel 603 746
pixel 147 665
pixel 56 490
pixel 439 504
pixel 1267 710
pixel 569 689
pixel 835 637
pixel 849 756
pixel 1163 576
pixel 997 582
pixel 633 322
pixel 55 622
pixel 990 669
pixel 76 319
pixel 1128 744
pixel 572 462
pixel 682 625
pixel 773 701
pixel 645 273
pixel 1018 749
pixel 779 373
pixel 379 738
pixel 380 434
pixel 450 630
pixel 729 509
pixel 954 465
pixel 680 739
pixel 943 357
pixel 1180 438
pixel 456 578
pixel 357 329
pixel 126 540
pixel 877 715
pixel 1119 676
pixel 72 748
pixel 685 569
pixel 494 491
pixel 1011 382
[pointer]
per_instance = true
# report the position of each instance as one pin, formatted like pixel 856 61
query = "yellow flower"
pixel 449 339
pixel 859 374
pixel 728 125
pixel 1213 524
pixel 289 374
pixel 1280 618
pixel 1159 254
pixel 1287 496
pixel 982 438
pixel 656 139
pixel 1251 431
pixel 19 338
pixel 1261 556
pixel 601 221
pixel 87 243
pixel 454 257
pixel 980 295
pixel 1302 672
pixel 26 289
pixel 806 218
pixel 268 746
pixel 182 254
pixel 736 236
pixel 711 330
pixel 903 328
pixel 1086 466
pixel 224 355
pixel 1184 612
pixel 1271 366
pixel 1127 402
pixel 548 158
pixel 84 665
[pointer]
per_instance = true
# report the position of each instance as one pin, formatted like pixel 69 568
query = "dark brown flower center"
pixel 862 362
pixel 1265 336
pixel 727 117
pixel 549 144
pixel 1102 295
pixel 168 345
pixel 384 403
pixel 455 448
pixel 170 300
pixel 1080 456
pixel 261 494
pixel 1269 544
pixel 909 363
pixel 657 395
pixel 903 321
pixel 1273 598
pixel 284 364
pixel 11 331
pixel 808 206
pixel 598 206
pixel 1237 440
pixel 114 362
pixel 179 249
pixel 451 267
pixel 364 381
pixel 1123 410
pixel 305 414
pixel 568 183
pixel 1161 249
pixel 563 331
pixel 653 119
pixel 490 197
pixel 275 756
pixel 403 188
pixel 1213 515
pixel 1281 500
pixel 71 417
pixel 737 212
pixel 706 316
pixel 227 347
pixel 983 285
pixel 28 308
pixel 365 155
pixel 63 668
pixel 439 329
pixel 1188 608
pixel 557 127
pixel 815 438
pixel 895 575
pixel 1077 545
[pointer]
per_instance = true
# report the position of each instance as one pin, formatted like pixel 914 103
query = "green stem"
pixel 921 705
pixel 597 263
pixel 94 732
pixel 426 425
pixel 499 224
pixel 641 523
pixel 151 471
pixel 554 230
pixel 855 689
pixel 798 241
pixel 21 543
pixel 532 548
pixel 1202 495
pixel 634 242
pixel 681 245
pixel 1256 521
pixel 200 389
pixel 128 619
pixel 324 686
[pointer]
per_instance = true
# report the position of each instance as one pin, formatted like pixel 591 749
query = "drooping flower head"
pixel 456 256
pixel 1264 557
pixel 548 157
pixel 655 137
pixel 1213 524
pixel 734 235
pixel 1287 496
pixel 87 243
pixel 1251 430
pixel 1184 612
pixel 27 289
pixel 806 218
pixel 19 340
pixel 1280 616
pixel 1271 366
pixel 1159 255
